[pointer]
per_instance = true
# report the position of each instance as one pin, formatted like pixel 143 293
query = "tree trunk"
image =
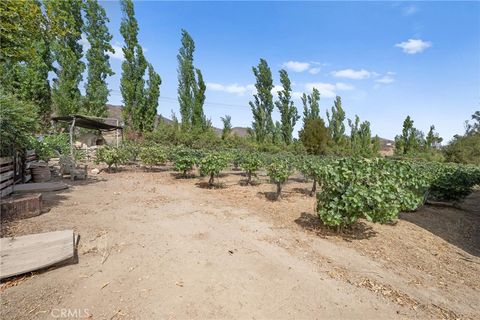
pixel 279 190
pixel 314 187
pixel 212 177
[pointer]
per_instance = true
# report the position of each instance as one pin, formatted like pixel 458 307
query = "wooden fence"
pixel 15 169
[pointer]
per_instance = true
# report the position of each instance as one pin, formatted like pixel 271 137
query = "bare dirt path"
pixel 153 246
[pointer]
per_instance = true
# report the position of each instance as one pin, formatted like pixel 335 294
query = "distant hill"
pixel 386 145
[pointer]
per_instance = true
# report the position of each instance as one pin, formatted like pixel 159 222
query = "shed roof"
pixel 86 122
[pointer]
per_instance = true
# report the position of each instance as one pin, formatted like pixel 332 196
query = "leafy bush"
pixel 17 123
pixel 153 155
pixel 212 164
pixel 51 146
pixel 111 156
pixel 279 170
pixel 374 189
pixel 310 167
pixel 250 164
pixel 452 182
pixel 184 159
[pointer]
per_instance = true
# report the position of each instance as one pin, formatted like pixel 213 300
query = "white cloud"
pixel 352 74
pixel 276 89
pixel 344 86
pixel 296 66
pixel 413 46
pixel 410 10
pixel 231 88
pixel 314 70
pixel 118 52
pixel 328 90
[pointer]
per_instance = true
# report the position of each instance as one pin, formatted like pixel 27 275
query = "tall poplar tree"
pixel 311 105
pixel 98 67
pixel 335 122
pixel 262 106
pixel 65 21
pixel 288 112
pixel 191 87
pixel 133 69
pixel 152 95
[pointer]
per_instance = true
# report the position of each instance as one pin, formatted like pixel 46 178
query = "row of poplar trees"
pixel 39 39
pixel 315 135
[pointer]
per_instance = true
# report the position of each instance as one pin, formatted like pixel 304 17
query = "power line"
pixel 211 103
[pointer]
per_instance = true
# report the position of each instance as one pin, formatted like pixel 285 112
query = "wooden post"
pixel 72 126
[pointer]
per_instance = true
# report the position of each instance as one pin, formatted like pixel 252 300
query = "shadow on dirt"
pixel 358 231
pixel 206 185
pixel 458 226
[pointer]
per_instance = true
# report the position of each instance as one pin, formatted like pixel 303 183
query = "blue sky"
pixel 386 60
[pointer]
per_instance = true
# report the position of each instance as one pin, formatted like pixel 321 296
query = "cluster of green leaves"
pixel 50 146
pixel 354 188
pixel 451 181
pixel 279 169
pixel 111 156
pixel 378 189
pixel 310 167
pixel 251 163
pixel 212 163
pixel 153 155
pixel 184 159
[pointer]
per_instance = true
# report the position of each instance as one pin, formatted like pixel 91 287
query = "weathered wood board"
pixel 24 254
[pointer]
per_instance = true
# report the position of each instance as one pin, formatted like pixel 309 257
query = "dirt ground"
pixel 153 246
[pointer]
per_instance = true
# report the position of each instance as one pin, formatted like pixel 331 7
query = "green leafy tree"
pixel 133 69
pixel 433 139
pixel 474 127
pixel 98 65
pixel 151 101
pixel 336 124
pixel 17 122
pixel 191 87
pixel 65 21
pixel 251 163
pixel 153 155
pixel 311 105
pixel 227 126
pixel 198 117
pixel 315 136
pixel 263 105
pixel 279 170
pixel 212 164
pixel 410 141
pixel 288 112
pixel 22 22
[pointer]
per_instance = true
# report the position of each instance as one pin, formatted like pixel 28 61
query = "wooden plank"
pixel 6 168
pixel 39 187
pixel 6 175
pixel 6 183
pixel 4 160
pixel 5 192
pixel 33 252
pixel 27 178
